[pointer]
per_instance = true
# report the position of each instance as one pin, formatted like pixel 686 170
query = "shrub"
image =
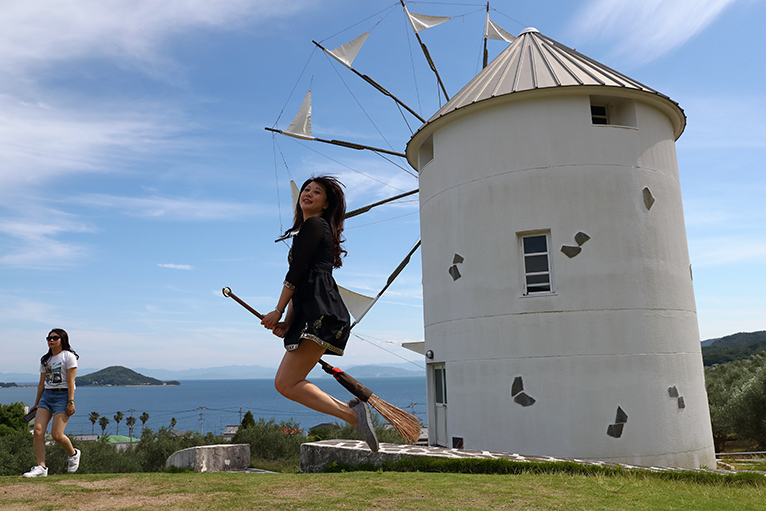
pixel 17 454
pixel 271 441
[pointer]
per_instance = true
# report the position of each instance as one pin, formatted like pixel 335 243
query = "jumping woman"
pixel 316 322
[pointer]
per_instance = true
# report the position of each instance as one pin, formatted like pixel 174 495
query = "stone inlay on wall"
pixel 648 198
pixel 453 270
pixel 615 430
pixel 673 392
pixel 519 396
pixel 571 251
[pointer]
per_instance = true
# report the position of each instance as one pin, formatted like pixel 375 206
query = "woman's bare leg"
pixel 57 433
pixel 42 417
pixel 291 382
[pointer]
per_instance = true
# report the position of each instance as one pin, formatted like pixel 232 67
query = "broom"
pixel 406 424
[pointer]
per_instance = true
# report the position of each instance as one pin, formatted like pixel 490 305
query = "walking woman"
pixel 55 399
pixel 316 322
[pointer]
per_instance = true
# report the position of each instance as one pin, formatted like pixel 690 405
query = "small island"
pixel 118 376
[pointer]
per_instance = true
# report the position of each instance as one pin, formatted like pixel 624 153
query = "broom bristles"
pixel 406 424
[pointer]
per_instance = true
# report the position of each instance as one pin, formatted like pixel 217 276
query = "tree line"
pixel 103 422
pixel 737 397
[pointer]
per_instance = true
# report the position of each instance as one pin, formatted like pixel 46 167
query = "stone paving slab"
pixel 316 456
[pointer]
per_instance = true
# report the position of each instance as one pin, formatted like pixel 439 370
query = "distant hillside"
pixel 118 375
pixel 734 347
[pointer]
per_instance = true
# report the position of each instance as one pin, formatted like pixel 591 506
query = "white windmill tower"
pixel 558 302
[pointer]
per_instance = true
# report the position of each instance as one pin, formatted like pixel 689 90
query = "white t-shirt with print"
pixel 56 370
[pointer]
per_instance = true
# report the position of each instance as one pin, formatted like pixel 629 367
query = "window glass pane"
pixel 598 110
pixel 535 264
pixel 541 288
pixel 538 279
pixel 438 386
pixel 535 244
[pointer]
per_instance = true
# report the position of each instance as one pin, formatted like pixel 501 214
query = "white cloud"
pixel 646 29
pixel 167 208
pixel 31 242
pixel 35 35
pixel 177 266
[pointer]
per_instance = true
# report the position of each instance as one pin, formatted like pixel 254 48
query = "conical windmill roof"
pixel 536 63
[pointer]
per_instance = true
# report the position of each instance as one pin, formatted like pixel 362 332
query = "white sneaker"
pixel 37 471
pixel 74 461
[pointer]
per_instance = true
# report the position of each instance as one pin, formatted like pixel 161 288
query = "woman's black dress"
pixel 319 313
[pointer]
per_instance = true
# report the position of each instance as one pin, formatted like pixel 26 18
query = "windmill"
pixel 558 301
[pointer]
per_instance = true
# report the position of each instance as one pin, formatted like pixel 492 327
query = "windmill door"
pixel 439 386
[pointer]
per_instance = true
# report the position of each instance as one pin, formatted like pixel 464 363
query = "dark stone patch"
pixel 523 399
pixel 454 272
pixel 673 391
pixel 581 238
pixel 615 430
pixel 457 259
pixel 648 198
pixel 621 417
pixel 518 385
pixel 570 251
pixel 681 403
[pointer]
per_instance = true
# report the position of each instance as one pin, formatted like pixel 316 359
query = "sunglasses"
pixel 52 338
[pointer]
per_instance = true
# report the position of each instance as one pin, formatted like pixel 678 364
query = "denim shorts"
pixel 54 400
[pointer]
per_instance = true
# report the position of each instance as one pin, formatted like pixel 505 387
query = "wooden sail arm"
pixel 342 143
pixel 390 281
pixel 379 87
pixel 432 65
pixel 428 57
pixel 365 209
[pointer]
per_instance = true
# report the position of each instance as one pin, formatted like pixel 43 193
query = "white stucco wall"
pixel 620 327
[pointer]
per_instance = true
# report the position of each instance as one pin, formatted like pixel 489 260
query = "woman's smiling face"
pixel 313 200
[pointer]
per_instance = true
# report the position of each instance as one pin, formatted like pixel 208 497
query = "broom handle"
pixel 347 381
pixel 227 292
pixel 344 379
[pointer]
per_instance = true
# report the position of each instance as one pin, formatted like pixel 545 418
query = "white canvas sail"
pixel 346 53
pixel 357 304
pixel 493 31
pixel 301 125
pixel 294 192
pixel 423 21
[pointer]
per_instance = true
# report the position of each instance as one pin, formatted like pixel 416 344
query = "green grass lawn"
pixel 376 490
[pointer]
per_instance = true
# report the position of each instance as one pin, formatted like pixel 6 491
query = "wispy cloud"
pixel 177 266
pixel 644 30
pixel 172 208
pixel 34 241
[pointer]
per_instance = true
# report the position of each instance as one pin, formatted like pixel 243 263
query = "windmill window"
pixel 598 114
pixel 426 153
pixel 536 263
pixel 613 111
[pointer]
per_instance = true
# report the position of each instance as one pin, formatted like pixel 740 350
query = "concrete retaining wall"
pixel 212 458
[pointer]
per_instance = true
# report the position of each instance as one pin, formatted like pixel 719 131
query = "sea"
pixel 210 405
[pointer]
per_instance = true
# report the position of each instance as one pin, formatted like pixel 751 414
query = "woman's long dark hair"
pixel 335 214
pixel 64 345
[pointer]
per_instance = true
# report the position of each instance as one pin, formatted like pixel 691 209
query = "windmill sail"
pixel 301 125
pixel 423 21
pixel 346 53
pixel 357 304
pixel 493 31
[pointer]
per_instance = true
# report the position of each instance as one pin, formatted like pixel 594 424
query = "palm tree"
pixel 144 417
pixel 93 418
pixel 130 421
pixel 117 418
pixel 103 422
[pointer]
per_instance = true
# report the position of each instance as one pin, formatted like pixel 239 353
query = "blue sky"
pixel 136 177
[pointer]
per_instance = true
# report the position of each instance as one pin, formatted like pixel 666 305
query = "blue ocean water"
pixel 210 405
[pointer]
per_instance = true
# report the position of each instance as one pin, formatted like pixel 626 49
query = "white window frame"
pixel 532 290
